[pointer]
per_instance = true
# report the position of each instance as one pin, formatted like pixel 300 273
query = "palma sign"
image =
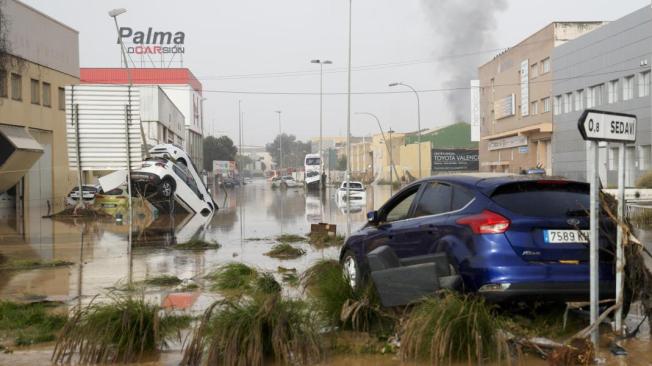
pixel 152 42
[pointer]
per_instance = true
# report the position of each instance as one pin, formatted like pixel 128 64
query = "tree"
pixel 293 151
pixel 220 148
pixel 341 163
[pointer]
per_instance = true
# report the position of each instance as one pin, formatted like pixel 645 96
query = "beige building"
pixel 43 57
pixel 516 101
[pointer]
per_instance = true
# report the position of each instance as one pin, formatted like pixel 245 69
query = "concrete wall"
pixel 612 52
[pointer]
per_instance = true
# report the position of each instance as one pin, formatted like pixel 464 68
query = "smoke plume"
pixel 463 28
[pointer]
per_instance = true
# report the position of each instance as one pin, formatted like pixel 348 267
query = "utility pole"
pixel 418 119
pixel 280 143
pixel 391 181
pixel 348 133
pixel 321 117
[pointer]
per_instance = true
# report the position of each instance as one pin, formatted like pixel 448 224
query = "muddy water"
pixel 246 224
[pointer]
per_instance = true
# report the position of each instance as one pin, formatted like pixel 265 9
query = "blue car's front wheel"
pixel 351 270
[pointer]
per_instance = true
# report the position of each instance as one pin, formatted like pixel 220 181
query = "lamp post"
pixel 348 132
pixel 391 181
pixel 114 14
pixel 321 117
pixel 280 142
pixel 391 160
pixel 418 118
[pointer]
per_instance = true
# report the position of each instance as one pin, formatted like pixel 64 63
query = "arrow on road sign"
pixel 607 126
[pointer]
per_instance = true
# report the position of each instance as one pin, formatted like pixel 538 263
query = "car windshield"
pixel 544 198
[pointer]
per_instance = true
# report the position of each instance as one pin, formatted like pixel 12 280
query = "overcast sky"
pixel 413 41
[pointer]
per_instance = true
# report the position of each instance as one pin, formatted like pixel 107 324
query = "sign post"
pixel 596 126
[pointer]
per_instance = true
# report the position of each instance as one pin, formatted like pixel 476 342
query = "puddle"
pixel 103 258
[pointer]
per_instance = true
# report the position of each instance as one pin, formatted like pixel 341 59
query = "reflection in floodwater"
pixel 103 259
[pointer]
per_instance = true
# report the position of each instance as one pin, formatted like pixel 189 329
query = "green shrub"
pixel 163 280
pixel 285 251
pixel 232 276
pixel 29 323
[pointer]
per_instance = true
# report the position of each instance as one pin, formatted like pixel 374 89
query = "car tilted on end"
pixel 169 178
pixel 504 237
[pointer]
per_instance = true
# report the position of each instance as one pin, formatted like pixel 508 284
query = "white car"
pixel 88 194
pixel 169 178
pixel 288 182
pixel 357 194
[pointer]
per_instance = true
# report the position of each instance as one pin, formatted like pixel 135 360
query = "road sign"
pixel 607 126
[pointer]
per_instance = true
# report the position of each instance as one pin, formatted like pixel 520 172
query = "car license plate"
pixel 565 236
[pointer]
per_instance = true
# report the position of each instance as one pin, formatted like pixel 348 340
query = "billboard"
pixel 225 168
pixel 504 107
pixel 455 160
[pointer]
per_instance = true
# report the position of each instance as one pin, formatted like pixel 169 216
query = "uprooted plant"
pixel 122 330
pixel 452 327
pixel 253 330
pixel 339 305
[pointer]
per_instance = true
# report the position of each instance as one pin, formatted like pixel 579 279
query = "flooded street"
pixel 249 220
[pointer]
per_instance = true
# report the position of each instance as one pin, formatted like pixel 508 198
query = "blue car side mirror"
pixel 372 217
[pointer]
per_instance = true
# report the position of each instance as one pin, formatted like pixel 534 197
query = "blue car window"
pixel 461 197
pixel 401 210
pixel 436 199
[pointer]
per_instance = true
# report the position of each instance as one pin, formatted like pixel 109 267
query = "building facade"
pixel 43 57
pixel 516 101
pixel 179 84
pixel 607 69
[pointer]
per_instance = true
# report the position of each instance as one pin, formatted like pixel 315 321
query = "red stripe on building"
pixel 178 76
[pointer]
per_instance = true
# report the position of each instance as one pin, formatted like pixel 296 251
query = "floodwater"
pixel 249 219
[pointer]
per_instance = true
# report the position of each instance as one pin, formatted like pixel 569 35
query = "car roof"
pixel 487 182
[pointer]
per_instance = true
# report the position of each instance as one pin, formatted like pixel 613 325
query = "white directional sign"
pixel 607 126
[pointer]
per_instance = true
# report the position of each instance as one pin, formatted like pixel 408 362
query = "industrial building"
pixel 516 103
pixel 43 57
pixel 180 86
pixel 607 69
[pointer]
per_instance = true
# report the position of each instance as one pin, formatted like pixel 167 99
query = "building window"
pixel 612 91
pixel 16 87
pixel 644 84
pixel 4 90
pixel 579 100
pixel 534 70
pixel 546 105
pixel 613 158
pixel 534 108
pixel 568 102
pixel 62 99
pixel 628 87
pixel 545 65
pixel 46 95
pixel 36 91
pixel 595 95
pixel 644 157
pixel 557 106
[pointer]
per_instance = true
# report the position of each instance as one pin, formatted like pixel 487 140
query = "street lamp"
pixel 418 118
pixel 348 131
pixel 280 142
pixel 391 160
pixel 321 116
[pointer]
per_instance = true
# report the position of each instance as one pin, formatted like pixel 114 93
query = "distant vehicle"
pixel 247 180
pixel 508 237
pixel 312 171
pixel 229 182
pixel 112 201
pixel 288 182
pixel 275 182
pixel 357 193
pixel 169 178
pixel 88 193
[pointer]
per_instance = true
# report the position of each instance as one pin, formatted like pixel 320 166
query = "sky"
pixel 262 49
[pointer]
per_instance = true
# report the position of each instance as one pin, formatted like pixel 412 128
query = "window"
pixel 568 102
pixel 579 100
pixel 62 99
pixel 3 84
pixel 557 106
pixel 461 197
pixel 36 91
pixel 401 209
pixel 16 87
pixel 612 92
pixel 436 199
pixel 613 158
pixel 628 87
pixel 644 84
pixel 534 108
pixel 545 65
pixel 534 70
pixel 544 199
pixel 546 105
pixel 46 95
pixel 595 95
pixel 644 157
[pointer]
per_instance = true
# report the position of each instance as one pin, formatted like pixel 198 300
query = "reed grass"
pixel 163 280
pixel 28 324
pixel 197 244
pixel 290 238
pixel 26 264
pixel 285 250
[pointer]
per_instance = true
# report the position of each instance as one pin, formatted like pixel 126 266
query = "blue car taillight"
pixel 486 222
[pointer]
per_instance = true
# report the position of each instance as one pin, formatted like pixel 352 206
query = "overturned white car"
pixel 169 179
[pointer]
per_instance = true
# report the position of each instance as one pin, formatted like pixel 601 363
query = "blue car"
pixel 506 237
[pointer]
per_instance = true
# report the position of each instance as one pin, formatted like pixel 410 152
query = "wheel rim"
pixel 350 271
pixel 167 189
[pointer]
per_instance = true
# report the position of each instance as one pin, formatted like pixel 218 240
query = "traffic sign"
pixel 607 126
